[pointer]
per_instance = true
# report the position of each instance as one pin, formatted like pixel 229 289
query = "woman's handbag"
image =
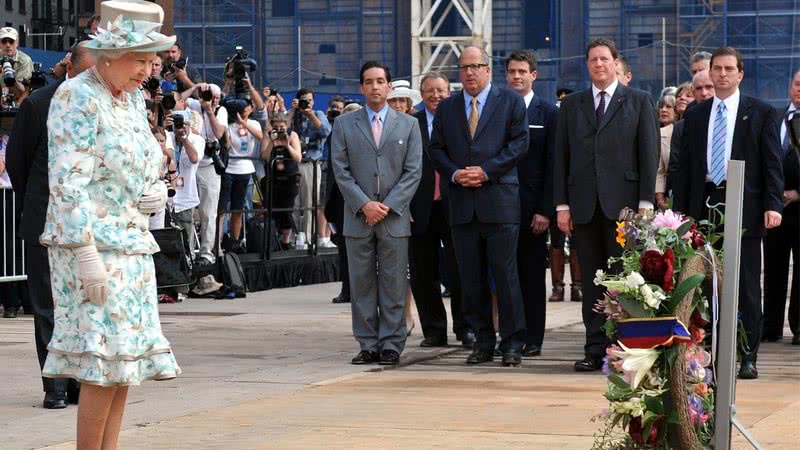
pixel 173 262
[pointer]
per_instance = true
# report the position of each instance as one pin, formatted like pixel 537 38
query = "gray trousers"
pixel 303 219
pixel 378 267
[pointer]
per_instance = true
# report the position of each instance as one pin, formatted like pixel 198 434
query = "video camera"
pixel 239 66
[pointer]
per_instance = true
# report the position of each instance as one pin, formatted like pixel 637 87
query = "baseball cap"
pixel 9 32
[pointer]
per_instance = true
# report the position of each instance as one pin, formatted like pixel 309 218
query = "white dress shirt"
pixel 783 121
pixel 732 106
pixel 528 97
pixel 609 93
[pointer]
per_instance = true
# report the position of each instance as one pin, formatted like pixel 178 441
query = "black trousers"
pixel 424 261
pixel 781 246
pixel 38 269
pixel 479 247
pixel 596 242
pixel 749 275
pixel 531 261
pixel 344 272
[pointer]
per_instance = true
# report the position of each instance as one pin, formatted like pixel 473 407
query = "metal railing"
pixel 13 264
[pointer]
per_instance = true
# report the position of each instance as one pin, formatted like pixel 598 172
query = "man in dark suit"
pixel 26 162
pixel 606 153
pixel 734 126
pixel 535 194
pixel 430 230
pixel 479 137
pixel 782 244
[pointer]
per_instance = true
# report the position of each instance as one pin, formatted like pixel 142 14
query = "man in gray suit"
pixel 377 160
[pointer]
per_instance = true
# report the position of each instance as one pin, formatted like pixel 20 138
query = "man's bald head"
pixel 80 59
pixel 702 86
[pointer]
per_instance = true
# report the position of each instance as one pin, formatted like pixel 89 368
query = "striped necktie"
pixel 717 167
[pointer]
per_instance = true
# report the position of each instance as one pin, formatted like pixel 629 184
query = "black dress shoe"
pixel 434 342
pixel 748 370
pixel 389 358
pixel 365 357
pixel 480 356
pixel 468 339
pixel 341 299
pixel 796 339
pixel 512 358
pixel 531 350
pixel 10 312
pixel 73 394
pixel 589 364
pixel 55 400
pixel 446 293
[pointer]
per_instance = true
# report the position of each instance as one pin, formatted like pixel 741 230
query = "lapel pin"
pixel 745 118
pixel 400 142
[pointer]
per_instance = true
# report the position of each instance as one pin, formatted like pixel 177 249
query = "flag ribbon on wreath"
pixel 652 332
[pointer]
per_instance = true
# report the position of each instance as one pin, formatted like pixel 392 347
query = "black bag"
pixel 173 262
pixel 255 236
pixel 219 155
pixel 232 274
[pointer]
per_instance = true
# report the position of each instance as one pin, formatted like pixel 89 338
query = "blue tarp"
pixel 47 58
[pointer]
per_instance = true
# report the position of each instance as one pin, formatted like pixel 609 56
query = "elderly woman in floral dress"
pixel 104 184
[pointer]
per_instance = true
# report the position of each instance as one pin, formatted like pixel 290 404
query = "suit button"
pixel 376 175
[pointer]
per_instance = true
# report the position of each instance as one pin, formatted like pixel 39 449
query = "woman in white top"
pixel 243 133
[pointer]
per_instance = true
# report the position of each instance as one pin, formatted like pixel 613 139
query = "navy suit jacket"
pixel 756 141
pixel 500 142
pixel 535 170
pixel 423 199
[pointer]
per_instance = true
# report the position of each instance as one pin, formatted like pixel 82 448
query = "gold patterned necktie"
pixel 473 117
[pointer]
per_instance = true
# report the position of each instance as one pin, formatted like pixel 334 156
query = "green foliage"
pixel 634 307
pixel 688 284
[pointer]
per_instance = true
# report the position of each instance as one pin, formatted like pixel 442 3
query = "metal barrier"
pixel 13 268
pixel 268 211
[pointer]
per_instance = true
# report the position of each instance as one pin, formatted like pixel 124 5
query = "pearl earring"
pixel 108 64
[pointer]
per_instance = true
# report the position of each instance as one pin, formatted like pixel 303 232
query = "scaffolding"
pixel 767 32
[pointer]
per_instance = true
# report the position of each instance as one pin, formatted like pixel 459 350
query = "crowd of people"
pixel 479 190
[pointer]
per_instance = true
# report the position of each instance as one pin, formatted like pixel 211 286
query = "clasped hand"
pixel 154 199
pixel 374 212
pixel 470 176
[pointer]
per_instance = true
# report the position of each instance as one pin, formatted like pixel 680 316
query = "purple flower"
pixel 709 377
pixel 606 368
pixel 696 411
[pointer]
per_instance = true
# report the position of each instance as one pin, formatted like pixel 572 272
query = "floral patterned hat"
pixel 130 26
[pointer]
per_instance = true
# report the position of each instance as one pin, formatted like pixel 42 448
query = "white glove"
pixel 92 273
pixel 154 200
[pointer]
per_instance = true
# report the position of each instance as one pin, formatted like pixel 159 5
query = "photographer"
pixel 274 102
pixel 242 135
pixel 176 69
pixel 186 146
pixel 215 123
pixel 17 66
pixel 282 153
pixel 313 128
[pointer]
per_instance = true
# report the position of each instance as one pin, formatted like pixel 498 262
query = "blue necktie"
pixel 717 167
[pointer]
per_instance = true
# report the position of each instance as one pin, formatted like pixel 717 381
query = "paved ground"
pixel 272 371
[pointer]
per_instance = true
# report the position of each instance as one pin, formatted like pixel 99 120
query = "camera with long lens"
pixel 152 84
pixel 303 104
pixel 9 74
pixel 239 66
pixel 332 115
pixel 168 101
pixel 206 95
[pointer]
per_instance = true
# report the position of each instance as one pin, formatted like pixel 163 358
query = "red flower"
pixel 697 320
pixel 657 268
pixel 696 238
pixel 635 429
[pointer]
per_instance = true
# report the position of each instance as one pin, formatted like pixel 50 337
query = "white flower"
pixel 634 280
pixel 636 361
pixel 634 407
pixel 652 298
pixel 598 277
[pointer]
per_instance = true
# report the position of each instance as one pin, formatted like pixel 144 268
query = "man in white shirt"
pixel 186 146
pixel 739 127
